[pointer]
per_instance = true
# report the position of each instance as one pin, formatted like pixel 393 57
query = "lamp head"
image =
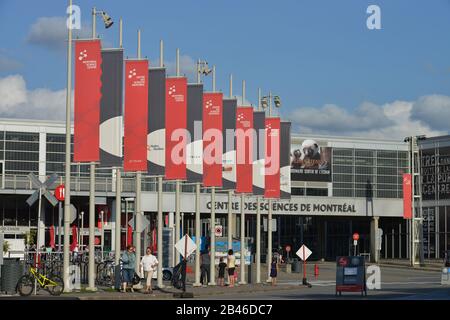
pixel 264 103
pixel 107 20
pixel 277 101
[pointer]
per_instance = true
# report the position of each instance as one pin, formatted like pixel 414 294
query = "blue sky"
pixel 317 55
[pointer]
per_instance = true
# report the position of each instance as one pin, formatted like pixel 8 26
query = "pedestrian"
pixel 148 264
pixel 274 270
pixel 128 268
pixel 205 267
pixel 231 265
pixel 222 266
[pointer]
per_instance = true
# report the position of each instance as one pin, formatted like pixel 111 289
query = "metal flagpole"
pixel 118 229
pixel 212 270
pixel 59 225
pixel 242 240
pixel 177 182
pixel 91 268
pixel 269 217
pixel 67 285
pixel 258 220
pixel 160 198
pixel 230 193
pixel 197 235
pixel 38 244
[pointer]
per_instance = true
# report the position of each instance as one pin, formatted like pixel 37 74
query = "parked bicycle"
pixel 52 283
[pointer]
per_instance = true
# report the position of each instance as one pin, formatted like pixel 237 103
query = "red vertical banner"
pixel 136 114
pixel 244 149
pixel 87 97
pixel 407 196
pixel 212 139
pixel 176 132
pixel 272 162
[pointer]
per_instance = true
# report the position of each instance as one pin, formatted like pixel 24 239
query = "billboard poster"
pixel 229 144
pixel 194 149
pixel 87 95
pixel 407 196
pixel 212 139
pixel 176 120
pixel 259 150
pixel 245 140
pixel 311 162
pixel 136 109
pixel 272 159
pixel 156 138
pixel 111 108
pixel 285 160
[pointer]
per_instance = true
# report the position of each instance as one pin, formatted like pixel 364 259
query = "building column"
pixel 374 253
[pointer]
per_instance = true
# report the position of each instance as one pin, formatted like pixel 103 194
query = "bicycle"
pixel 52 283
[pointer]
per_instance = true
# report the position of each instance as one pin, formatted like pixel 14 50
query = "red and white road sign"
pixel 356 236
pixel 218 231
pixel 288 248
pixel 304 252
pixel 60 192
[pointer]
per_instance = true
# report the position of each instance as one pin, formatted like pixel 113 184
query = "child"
pixel 222 266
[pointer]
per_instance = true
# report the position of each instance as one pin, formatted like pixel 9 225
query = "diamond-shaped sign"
pixel 144 223
pixel 303 252
pixel 186 242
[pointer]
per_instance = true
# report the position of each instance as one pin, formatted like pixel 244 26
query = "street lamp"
pixel 106 20
pixel 103 232
pixel 81 231
pixel 266 102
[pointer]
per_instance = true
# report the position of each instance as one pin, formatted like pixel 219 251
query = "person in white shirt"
pixel 149 263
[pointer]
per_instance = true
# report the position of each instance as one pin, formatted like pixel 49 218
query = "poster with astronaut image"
pixel 310 162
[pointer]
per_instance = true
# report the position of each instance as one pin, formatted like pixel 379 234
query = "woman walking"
pixel 128 268
pixel 149 263
pixel 274 270
pixel 231 264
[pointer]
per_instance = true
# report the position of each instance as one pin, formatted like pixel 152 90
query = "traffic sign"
pixel 356 236
pixel 144 223
pixel 218 231
pixel 355 242
pixel 60 192
pixel 288 248
pixel 303 253
pixel 42 189
pixel 185 243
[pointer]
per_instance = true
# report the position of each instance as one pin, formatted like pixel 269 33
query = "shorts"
pixel 128 275
pixel 230 271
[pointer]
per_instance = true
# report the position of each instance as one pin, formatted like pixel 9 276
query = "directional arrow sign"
pixel 144 223
pixel 303 253
pixel 190 246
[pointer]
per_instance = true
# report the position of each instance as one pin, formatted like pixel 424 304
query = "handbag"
pixel 136 279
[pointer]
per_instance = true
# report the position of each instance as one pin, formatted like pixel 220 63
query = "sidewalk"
pixel 430 265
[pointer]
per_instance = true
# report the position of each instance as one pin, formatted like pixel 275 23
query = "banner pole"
pixel 66 262
pixel 160 227
pixel 242 240
pixel 91 274
pixel 177 217
pixel 212 265
pixel 117 230
pixel 138 217
pixel 197 235
pixel 269 239
pixel 258 220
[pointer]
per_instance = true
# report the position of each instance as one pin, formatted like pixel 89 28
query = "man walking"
pixel 204 267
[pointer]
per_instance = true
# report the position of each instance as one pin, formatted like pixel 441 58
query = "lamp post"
pixel 103 232
pixel 266 102
pixel 81 231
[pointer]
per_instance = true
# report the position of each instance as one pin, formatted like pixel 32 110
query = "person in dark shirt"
pixel 222 266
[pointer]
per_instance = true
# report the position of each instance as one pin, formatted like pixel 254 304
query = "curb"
pixel 401 266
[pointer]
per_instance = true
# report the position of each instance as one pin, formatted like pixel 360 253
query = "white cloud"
pixel 188 67
pixel 393 121
pixel 8 64
pixel 432 110
pixel 19 102
pixel 51 33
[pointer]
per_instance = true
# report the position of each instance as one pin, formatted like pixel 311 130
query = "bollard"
pixel 316 270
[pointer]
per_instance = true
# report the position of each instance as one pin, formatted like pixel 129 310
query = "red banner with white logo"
pixel 212 139
pixel 244 149
pixel 407 196
pixel 136 114
pixel 272 162
pixel 176 134
pixel 87 97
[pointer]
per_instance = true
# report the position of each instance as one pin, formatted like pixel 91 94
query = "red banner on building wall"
pixel 87 97
pixel 176 133
pixel 136 114
pixel 244 149
pixel 407 196
pixel 272 159
pixel 212 139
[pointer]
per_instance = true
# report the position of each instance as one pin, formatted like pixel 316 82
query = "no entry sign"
pixel 60 192
pixel 356 236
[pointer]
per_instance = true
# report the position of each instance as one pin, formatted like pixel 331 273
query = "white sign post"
pixel 304 253
pixel 186 245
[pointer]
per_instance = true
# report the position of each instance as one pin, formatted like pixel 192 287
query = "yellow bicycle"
pixel 52 283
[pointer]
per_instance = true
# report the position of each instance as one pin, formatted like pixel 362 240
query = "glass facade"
pixel 368 173
pixel 20 152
